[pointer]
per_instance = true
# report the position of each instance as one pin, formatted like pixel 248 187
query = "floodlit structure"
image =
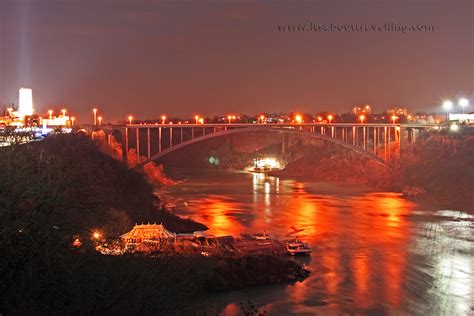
pixel 147 232
pixel 26 102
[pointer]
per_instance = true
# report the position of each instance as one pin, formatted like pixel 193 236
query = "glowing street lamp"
pixel 72 120
pixel 130 119
pixel 361 118
pixel 100 120
pixel 394 118
pixel 262 118
pixel 96 235
pixel 201 120
pixel 64 112
pixel 463 102
pixel 298 119
pixel 229 118
pixel 50 114
pixel 196 118
pixel 95 116
pixel 447 105
pixel 330 117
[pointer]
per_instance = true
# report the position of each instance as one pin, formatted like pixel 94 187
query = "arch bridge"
pixel 154 141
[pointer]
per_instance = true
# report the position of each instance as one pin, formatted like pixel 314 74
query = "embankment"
pixel 443 165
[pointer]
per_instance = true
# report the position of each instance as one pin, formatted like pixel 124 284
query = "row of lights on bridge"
pixel 447 105
pixel 260 119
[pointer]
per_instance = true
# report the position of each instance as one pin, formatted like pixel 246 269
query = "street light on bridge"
pixel 95 115
pixel 298 119
pixel 163 119
pixel 361 118
pixel 100 120
pixel 72 120
pixel 394 118
pixel 63 111
pixel 50 114
pixel 196 118
pixel 230 118
pixel 130 119
pixel 330 117
pixel 463 102
pixel 447 105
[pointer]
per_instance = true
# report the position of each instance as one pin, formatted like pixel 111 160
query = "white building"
pixel 26 102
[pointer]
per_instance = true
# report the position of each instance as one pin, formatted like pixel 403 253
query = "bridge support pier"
pixel 137 145
pixel 125 146
pixel 171 137
pixel 159 139
pixel 284 144
pixel 401 139
pixel 148 143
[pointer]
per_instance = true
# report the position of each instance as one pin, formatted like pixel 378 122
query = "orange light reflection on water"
pixel 361 237
pixel 218 214
pixel 384 235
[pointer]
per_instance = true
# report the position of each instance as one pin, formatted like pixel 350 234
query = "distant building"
pixel 61 120
pixel 365 109
pixel 423 118
pixel 458 117
pixel 398 111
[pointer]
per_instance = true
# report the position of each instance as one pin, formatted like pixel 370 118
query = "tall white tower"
pixel 26 102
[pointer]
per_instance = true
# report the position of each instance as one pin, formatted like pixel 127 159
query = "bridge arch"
pixel 288 130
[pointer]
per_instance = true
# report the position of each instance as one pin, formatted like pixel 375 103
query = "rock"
pixel 291 277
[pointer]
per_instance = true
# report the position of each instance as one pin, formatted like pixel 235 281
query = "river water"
pixel 373 252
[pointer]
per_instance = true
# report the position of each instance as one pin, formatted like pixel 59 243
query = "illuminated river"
pixel 373 252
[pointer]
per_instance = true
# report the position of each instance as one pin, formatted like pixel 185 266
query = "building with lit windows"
pixel 364 109
pixel 398 111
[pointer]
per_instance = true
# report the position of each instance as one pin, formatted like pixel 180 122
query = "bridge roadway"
pixel 373 140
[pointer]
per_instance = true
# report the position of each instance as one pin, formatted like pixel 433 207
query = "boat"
pixel 259 169
pixel 263 236
pixel 264 165
pixel 297 247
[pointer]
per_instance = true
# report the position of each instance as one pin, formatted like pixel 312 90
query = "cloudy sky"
pixel 151 57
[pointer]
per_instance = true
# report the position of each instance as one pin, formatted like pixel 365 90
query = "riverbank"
pixel 442 164
pixel 437 168
pixel 57 197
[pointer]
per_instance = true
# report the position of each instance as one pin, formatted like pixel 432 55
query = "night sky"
pixel 180 57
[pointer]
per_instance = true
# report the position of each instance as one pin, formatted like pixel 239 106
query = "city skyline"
pixel 134 58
